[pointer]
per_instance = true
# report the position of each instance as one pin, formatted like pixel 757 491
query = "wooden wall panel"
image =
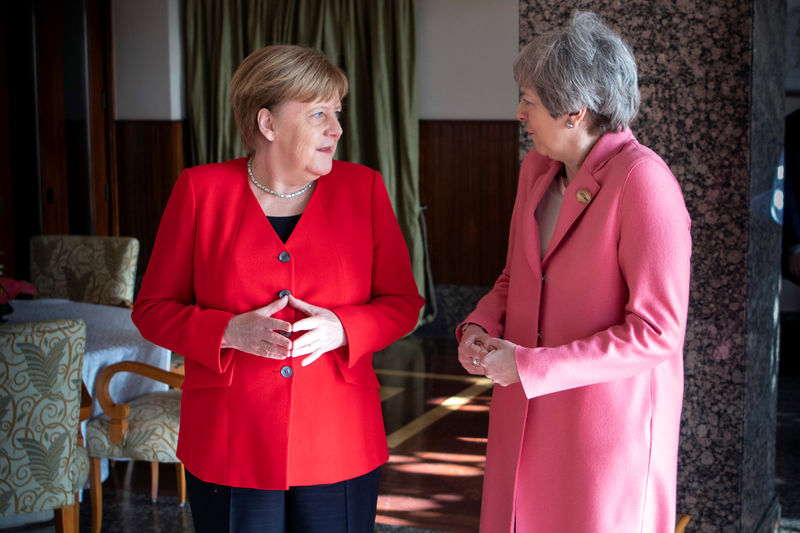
pixel 52 127
pixel 468 181
pixel 150 156
pixel 105 214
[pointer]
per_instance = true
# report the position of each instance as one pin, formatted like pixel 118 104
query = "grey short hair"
pixel 585 64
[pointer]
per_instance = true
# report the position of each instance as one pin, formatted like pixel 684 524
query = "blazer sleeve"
pixel 654 253
pixel 394 305
pixel 165 310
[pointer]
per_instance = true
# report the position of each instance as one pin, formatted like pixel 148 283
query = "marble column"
pixel 711 76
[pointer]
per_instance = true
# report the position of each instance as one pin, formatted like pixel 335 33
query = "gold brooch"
pixel 584 196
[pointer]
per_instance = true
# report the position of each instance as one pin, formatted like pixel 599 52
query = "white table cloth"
pixel 111 337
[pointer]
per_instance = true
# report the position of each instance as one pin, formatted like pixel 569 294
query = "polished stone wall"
pixel 711 77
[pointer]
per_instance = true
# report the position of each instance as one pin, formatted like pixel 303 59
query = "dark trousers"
pixel 347 506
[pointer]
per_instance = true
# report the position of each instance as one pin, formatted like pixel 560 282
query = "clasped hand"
pixel 484 355
pixel 258 333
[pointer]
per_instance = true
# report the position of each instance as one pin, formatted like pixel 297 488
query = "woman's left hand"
pixel 324 331
pixel 500 363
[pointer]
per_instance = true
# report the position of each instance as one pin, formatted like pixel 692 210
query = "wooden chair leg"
pixel 181 472
pixel 77 510
pixel 65 519
pixel 96 494
pixel 154 481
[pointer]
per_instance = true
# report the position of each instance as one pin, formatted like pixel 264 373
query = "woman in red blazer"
pixel 277 276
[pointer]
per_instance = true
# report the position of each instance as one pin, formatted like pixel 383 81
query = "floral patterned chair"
pixel 145 429
pixel 99 270
pixel 41 465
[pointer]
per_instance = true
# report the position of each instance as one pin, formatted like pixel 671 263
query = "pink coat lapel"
pixel 582 190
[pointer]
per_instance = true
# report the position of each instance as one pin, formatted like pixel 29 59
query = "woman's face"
pixel 305 136
pixel 546 132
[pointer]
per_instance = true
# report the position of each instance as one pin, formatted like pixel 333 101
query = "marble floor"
pixel 436 418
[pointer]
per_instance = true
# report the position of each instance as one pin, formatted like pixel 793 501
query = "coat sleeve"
pixel 394 305
pixel 653 253
pixel 165 310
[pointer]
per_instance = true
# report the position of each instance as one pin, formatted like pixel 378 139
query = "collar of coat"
pixel 584 187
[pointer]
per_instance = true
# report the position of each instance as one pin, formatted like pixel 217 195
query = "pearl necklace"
pixel 267 189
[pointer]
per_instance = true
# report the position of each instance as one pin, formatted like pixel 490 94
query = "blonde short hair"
pixel 279 73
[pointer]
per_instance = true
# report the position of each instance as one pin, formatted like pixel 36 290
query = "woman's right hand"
pixel 256 332
pixel 472 349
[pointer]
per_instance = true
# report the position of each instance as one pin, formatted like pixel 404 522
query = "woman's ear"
pixel 578 117
pixel 266 124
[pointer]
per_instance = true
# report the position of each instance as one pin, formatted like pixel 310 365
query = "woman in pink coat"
pixel 583 331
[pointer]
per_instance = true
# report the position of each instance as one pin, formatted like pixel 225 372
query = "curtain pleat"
pixel 373 42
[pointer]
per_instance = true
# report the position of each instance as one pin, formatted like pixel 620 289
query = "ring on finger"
pixel 475 362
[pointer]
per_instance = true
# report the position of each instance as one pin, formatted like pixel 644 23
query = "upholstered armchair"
pixel 100 270
pixel 145 429
pixel 41 465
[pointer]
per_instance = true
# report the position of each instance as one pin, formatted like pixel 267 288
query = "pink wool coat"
pixel 588 441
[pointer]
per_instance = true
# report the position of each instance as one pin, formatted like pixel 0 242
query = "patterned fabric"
pixel 152 430
pixel 41 465
pixel 100 270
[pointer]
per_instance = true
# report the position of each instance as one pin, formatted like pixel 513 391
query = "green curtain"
pixel 373 41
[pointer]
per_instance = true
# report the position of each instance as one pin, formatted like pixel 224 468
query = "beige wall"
pixel 148 60
pixel 465 49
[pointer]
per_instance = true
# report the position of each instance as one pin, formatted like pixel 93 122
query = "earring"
pixel 570 125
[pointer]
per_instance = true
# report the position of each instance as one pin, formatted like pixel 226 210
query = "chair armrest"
pixel 683 519
pixel 118 413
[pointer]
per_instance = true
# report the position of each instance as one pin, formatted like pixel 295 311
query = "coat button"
pixel 543 276
pixel 539 335
pixel 283 293
pixel 286 371
pixel 584 196
pixel 284 257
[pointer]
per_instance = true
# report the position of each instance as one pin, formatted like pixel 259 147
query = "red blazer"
pixel 249 421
